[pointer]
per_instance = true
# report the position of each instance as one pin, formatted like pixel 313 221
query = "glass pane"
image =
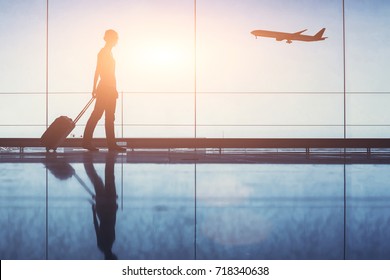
pixel 368 115
pixel 22 67
pixel 154 58
pixel 23 56
pixel 22 115
pixel 270 115
pixel 230 60
pixel 158 114
pixel 367 60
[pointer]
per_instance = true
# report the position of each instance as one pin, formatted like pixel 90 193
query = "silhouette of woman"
pixel 106 95
pixel 104 211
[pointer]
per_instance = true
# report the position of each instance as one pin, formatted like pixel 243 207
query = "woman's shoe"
pixel 90 147
pixel 116 148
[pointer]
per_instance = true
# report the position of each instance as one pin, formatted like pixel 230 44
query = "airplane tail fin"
pixel 320 33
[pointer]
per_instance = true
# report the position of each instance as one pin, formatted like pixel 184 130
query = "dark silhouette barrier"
pixel 166 143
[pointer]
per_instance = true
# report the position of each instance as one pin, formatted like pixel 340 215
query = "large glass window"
pixel 193 68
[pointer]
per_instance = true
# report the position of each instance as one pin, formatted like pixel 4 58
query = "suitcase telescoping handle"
pixel 84 109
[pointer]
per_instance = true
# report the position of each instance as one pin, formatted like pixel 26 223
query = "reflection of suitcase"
pixel 56 133
pixel 62 170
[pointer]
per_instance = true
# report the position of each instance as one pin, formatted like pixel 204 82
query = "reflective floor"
pixel 186 205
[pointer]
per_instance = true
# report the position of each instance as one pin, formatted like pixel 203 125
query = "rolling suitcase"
pixel 56 133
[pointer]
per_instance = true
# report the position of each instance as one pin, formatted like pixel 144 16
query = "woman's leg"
pixel 110 126
pixel 92 122
pixel 109 121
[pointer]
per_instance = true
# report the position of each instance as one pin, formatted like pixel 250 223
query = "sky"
pixel 245 87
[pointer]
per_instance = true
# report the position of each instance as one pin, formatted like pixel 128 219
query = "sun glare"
pixel 168 63
pixel 163 55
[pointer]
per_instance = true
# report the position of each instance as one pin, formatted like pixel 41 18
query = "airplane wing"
pixel 300 32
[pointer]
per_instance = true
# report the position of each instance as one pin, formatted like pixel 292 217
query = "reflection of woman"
pixel 106 95
pixel 104 211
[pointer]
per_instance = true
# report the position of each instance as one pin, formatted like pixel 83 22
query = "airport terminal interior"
pixel 253 130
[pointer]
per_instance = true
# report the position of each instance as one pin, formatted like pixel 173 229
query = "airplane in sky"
pixel 289 37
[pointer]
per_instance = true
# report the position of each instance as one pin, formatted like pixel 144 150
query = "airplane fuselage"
pixel 289 37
